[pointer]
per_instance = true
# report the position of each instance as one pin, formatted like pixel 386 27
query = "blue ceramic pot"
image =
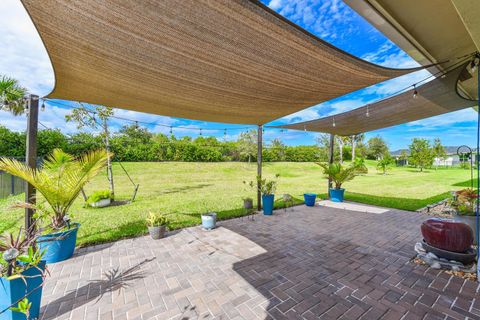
pixel 209 221
pixel 59 246
pixel 309 199
pixel 267 201
pixel 13 290
pixel 336 195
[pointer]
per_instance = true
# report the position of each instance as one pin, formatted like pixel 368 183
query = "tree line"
pixel 133 143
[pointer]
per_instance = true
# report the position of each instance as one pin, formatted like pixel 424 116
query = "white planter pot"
pixel 102 203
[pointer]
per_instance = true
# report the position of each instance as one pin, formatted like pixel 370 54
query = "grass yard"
pixel 185 190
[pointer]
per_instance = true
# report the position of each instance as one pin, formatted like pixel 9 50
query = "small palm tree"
pixel 60 180
pixel 11 95
pixel 338 173
pixel 385 163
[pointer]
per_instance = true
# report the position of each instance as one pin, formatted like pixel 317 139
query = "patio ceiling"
pixel 232 61
pixel 435 97
pixel 428 32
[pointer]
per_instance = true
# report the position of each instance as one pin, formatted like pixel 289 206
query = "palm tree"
pixel 355 139
pixel 338 173
pixel 341 141
pixel 60 180
pixel 385 163
pixel 11 95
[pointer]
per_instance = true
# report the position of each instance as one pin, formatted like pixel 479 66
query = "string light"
pixel 225 132
pixel 333 124
pixel 43 105
pixel 368 112
pixel 200 131
pixel 415 92
pixel 305 128
pixel 171 130
pixel 27 106
pixel 474 64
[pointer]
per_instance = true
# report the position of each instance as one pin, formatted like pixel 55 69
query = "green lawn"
pixel 185 190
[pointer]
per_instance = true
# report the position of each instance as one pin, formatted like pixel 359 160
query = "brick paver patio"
pixel 308 263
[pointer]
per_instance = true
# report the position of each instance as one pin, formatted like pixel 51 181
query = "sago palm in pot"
pixel 338 174
pixel 60 181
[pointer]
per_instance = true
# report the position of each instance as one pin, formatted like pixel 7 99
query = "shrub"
pixel 156 220
pixel 99 195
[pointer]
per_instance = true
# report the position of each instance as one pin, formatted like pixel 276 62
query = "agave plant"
pixel 59 181
pixel 11 95
pixel 338 173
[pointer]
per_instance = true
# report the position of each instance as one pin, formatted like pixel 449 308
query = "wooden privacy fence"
pixel 10 185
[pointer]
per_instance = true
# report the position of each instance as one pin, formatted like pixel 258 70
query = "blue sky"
pixel 24 58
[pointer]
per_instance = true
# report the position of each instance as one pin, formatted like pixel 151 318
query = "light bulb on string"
pixel 305 128
pixel 171 130
pixel 415 92
pixel 367 114
pixel 474 65
pixel 200 131
pixel 333 124
pixel 225 132
pixel 42 108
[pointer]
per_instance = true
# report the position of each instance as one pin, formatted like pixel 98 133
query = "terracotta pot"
pixel 447 234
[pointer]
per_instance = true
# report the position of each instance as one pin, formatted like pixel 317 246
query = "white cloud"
pixel 393 86
pixel 321 19
pixel 23 55
pixel 444 120
pixel 303 115
pixel 388 55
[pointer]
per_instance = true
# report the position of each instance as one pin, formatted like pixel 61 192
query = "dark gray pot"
pixel 157 232
pixel 247 203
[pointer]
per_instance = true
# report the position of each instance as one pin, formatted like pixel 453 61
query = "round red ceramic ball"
pixel 447 234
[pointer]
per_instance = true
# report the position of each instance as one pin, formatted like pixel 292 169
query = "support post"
pixel 259 166
pixel 331 154
pixel 31 155
pixel 477 218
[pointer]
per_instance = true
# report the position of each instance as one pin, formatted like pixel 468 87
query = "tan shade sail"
pixel 232 61
pixel 436 97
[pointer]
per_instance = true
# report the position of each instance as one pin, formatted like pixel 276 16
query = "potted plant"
pixel 59 181
pixel 157 224
pixel 22 274
pixel 464 203
pixel 248 201
pixel 267 188
pixel 338 174
pixel 209 219
pixel 310 199
pixel 100 199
